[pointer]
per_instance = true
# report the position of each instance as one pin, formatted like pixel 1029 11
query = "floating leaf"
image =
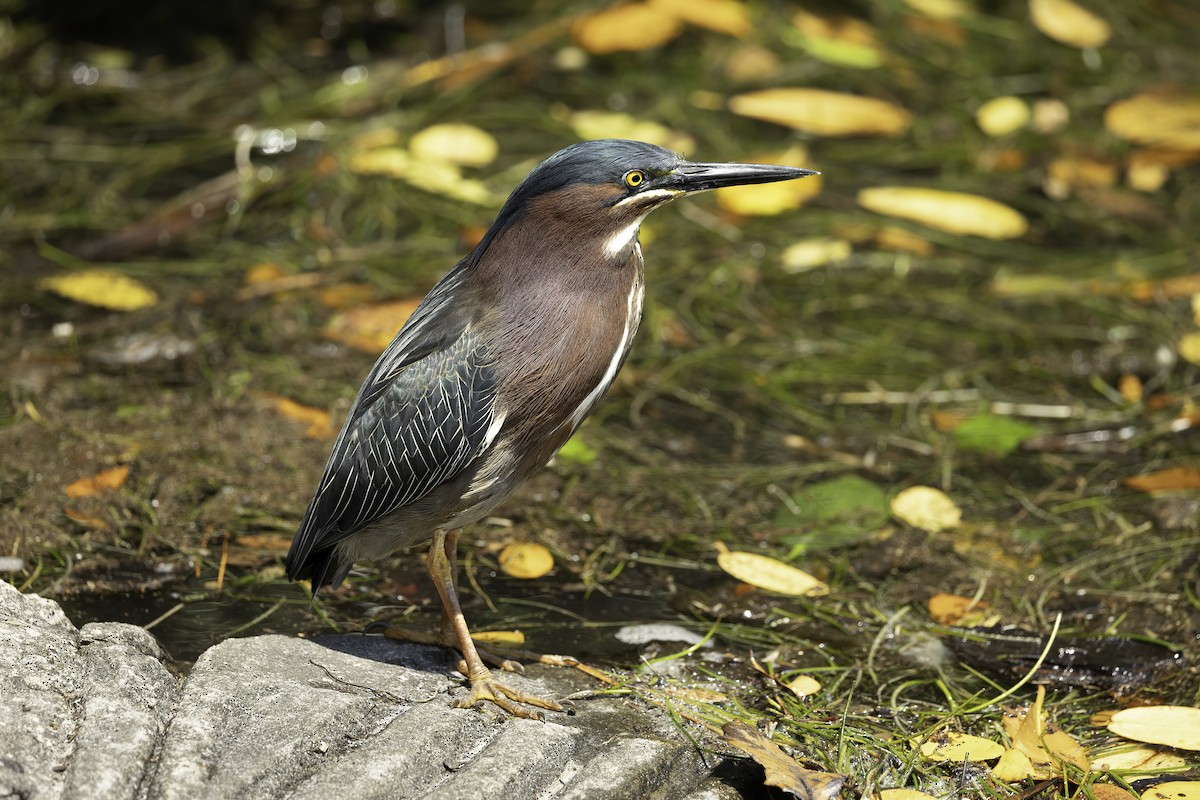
pixel 1068 22
pixel 1001 116
pixel 723 16
pixel 823 113
pixel 991 434
pixel 526 560
pixel 369 328
pixel 926 508
pixel 436 177
pixel 112 478
pixel 1160 118
pixel 956 212
pixel 835 512
pixel 635 26
pixel 576 451
pixel 782 770
pixel 768 573
pixel 103 288
pixel 1173 726
pixel 455 143
pixel 1130 758
pixel 768 199
pixel 1172 479
pixel 959 747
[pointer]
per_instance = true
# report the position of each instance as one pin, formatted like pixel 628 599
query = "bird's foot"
pixel 485 688
pixel 508 660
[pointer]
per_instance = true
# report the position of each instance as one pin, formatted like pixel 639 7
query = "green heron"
pixel 495 370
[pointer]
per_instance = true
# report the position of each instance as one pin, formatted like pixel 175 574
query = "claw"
pixel 488 689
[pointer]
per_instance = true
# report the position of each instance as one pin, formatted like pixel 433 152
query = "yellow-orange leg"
pixel 440 561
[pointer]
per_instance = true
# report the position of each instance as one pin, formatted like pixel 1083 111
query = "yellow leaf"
pixel 636 26
pixel 1189 347
pixel 526 560
pixel 956 212
pixel 959 747
pixel 263 273
pixel 1172 479
pixel 369 328
pixel 839 40
pixel 103 288
pixel 1173 726
pixel 812 253
pixel 1050 115
pixel 1130 758
pixel 502 638
pixel 904 794
pixel 319 426
pixel 949 609
pixel 940 9
pixel 455 143
pixel 1068 22
pixel 769 199
pixel 804 685
pixel 436 177
pixel 1014 766
pixel 113 478
pixel 823 113
pixel 618 125
pixel 768 573
pixel 722 16
pixel 1173 790
pixel 926 508
pixel 1001 116
pixel 1162 118
pixel 782 770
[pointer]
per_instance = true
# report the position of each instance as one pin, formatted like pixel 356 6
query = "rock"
pixel 94 713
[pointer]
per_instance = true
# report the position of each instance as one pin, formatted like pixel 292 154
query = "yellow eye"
pixel 635 178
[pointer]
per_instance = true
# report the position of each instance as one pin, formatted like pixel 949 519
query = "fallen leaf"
pixel 782 770
pixel 768 199
pixel 1108 791
pixel 369 328
pixel 956 212
pixel 85 519
pixel 803 686
pixel 263 273
pixel 319 425
pixel 346 295
pixel 833 513
pixel 1173 790
pixel 455 143
pixel 751 62
pixel 1173 726
pixel 838 39
pixel 1189 347
pixel 959 747
pixel 1129 759
pixel 1129 386
pixel 502 638
pixel 1047 750
pixel 1013 766
pixel 112 478
pixel 899 239
pixel 941 9
pixel 1068 22
pixel 904 794
pixel 526 560
pixel 619 125
pixel 926 508
pixel 768 573
pixel 823 113
pixel 812 253
pixel 103 288
pixel 1050 115
pixel 1066 173
pixel 723 16
pixel 1172 479
pixel 436 177
pixel 630 27
pixel 1001 116
pixel 992 434
pixel 950 609
pixel 1162 118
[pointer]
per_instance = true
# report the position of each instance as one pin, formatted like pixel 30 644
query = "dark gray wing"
pixel 420 418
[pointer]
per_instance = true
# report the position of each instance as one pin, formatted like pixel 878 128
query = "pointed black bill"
pixel 692 177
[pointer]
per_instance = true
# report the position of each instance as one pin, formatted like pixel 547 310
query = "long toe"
pixel 488 689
